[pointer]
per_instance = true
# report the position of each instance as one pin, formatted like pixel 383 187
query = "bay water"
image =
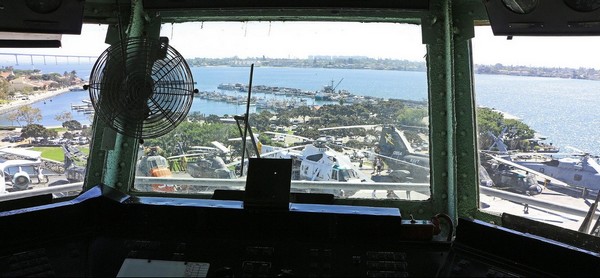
pixel 564 110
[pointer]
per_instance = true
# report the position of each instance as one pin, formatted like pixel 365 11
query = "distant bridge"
pixel 44 58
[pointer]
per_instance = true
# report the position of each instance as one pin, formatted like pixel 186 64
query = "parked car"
pixel 12 139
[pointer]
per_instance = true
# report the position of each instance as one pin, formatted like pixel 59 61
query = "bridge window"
pixel 533 113
pixel 328 93
pixel 348 90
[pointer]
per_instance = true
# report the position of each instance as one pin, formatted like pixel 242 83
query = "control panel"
pixel 111 235
pixel 100 234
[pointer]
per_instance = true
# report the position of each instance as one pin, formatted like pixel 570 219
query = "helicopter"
pixel 149 164
pixel 207 162
pixel 404 162
pixel 318 161
pixel 578 170
pixel 73 172
pixel 314 160
pixel 18 173
pixel 152 164
pixel 506 175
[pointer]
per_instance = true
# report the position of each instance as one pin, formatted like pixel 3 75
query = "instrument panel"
pixel 106 233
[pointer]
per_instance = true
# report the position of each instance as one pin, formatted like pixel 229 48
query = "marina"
pixel 571 100
pixel 275 97
pixel 86 107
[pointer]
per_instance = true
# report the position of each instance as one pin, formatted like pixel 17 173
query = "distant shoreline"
pixel 5 108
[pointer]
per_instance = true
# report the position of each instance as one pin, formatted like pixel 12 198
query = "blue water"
pixel 564 110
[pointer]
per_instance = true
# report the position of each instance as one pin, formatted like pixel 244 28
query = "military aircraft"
pixel 393 144
pixel 18 173
pixel 149 164
pixel 73 172
pixel 404 162
pixel 582 171
pixel 205 162
pixel 579 169
pixel 408 164
pixel 318 162
pixel 506 175
pixel 321 163
pixel 314 160
pixel 152 164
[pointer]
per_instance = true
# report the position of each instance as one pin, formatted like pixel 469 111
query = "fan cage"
pixel 141 88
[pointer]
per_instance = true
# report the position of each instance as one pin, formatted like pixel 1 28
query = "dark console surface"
pixel 106 233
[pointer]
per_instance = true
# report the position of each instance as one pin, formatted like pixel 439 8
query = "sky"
pixel 302 39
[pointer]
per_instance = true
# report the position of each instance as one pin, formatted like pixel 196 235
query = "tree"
pixel 412 116
pixel 26 114
pixel 304 111
pixel 212 118
pixel 50 133
pixel 33 130
pixel 86 131
pixel 3 89
pixel 63 117
pixel 72 125
pixel 261 120
pixel 193 134
pixel 490 121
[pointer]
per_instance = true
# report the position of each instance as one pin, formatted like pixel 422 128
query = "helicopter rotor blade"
pixel 518 166
pixel 399 160
pixel 267 154
pixel 186 155
pixel 575 149
pixel 290 135
pixel 349 127
pixel 220 146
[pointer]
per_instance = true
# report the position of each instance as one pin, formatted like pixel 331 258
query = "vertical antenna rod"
pixel 246 125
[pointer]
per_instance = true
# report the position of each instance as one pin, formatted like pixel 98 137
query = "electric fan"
pixel 141 87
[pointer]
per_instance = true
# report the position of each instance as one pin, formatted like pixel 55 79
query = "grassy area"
pixel 54 153
pixel 59 129
pixel 57 153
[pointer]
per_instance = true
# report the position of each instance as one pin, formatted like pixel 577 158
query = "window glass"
pixel 535 106
pixel 45 111
pixel 328 95
pixel 336 98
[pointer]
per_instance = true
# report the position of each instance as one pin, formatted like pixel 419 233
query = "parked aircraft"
pixel 315 153
pixel 510 176
pixel 582 171
pixel 403 161
pixel 314 161
pixel 321 163
pixel 579 170
pixel 151 164
pixel 73 172
pixel 205 162
pixel 317 162
pixel 19 173
pixel 395 149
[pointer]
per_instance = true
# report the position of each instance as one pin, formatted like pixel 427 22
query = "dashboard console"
pixel 104 232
